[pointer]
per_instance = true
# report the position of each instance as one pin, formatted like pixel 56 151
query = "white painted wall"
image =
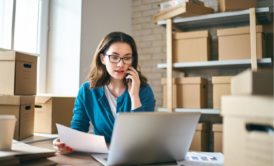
pixel 64 47
pixel 100 17
pixel 76 27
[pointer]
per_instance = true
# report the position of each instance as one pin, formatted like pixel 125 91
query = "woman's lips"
pixel 119 71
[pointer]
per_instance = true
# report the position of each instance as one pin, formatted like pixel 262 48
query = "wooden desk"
pixel 74 158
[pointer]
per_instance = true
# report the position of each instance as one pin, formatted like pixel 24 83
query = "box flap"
pixel 42 99
pixel 248 106
pixel 190 80
pixel 190 35
pixel 221 80
pixel 238 30
pixel 7 55
pixel 9 100
pixel 253 82
pixel 10 55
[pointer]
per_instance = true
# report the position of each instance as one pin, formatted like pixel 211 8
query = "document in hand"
pixel 80 141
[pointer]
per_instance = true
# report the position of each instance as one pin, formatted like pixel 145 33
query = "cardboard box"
pixel 201 139
pixel 253 82
pixel 191 92
pixel 228 5
pixel 184 9
pixel 248 130
pixel 23 109
pixel 234 43
pixel 217 137
pixel 174 93
pixel 191 46
pixel 221 87
pixel 50 110
pixel 18 73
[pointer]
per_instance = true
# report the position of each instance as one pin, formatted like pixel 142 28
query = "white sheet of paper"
pixel 80 141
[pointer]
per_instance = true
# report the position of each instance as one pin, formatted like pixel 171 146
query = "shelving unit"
pixel 263 16
pixel 216 64
pixel 207 114
pixel 244 17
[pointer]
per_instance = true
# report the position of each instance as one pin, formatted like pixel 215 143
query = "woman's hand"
pixel 134 87
pixel 61 147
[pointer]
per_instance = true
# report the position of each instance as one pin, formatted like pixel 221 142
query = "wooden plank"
pixel 253 42
pixel 169 65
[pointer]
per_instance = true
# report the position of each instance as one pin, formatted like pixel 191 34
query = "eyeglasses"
pixel 116 59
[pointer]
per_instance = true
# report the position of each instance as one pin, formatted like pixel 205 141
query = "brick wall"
pixel 151 43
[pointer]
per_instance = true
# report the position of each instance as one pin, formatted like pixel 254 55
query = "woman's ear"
pixel 102 58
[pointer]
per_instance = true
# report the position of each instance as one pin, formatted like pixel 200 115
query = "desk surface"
pixel 81 159
pixel 70 159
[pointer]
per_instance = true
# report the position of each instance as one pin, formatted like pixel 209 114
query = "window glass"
pixel 26 26
pixel 6 9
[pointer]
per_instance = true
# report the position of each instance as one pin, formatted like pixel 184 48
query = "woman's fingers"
pixel 61 147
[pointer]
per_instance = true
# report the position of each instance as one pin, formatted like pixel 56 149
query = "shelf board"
pixel 263 15
pixel 223 63
pixel 201 110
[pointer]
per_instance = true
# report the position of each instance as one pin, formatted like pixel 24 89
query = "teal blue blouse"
pixel 91 105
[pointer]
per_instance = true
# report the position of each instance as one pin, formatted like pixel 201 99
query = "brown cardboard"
pixel 50 110
pixel 234 43
pixel 190 46
pixel 228 5
pixel 217 137
pixel 174 93
pixel 251 82
pixel 23 109
pixel 191 92
pixel 201 138
pixel 241 116
pixel 18 73
pixel 221 87
pixel 183 10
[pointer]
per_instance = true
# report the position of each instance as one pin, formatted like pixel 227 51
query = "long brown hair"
pixel 98 75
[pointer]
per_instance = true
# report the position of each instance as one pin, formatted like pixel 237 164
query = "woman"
pixel 115 85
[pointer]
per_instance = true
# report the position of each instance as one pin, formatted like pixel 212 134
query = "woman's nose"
pixel 120 63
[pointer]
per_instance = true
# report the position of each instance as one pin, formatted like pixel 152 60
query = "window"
pixel 6 11
pixel 26 26
pixel 23 27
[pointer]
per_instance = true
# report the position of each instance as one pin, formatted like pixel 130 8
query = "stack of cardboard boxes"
pixel 17 97
pixel 17 88
pixel 248 119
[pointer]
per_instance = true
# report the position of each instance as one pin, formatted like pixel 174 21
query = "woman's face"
pixel 117 67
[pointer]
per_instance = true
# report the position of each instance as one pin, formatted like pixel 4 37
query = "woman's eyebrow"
pixel 115 53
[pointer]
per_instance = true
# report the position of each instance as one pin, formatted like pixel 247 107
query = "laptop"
pixel 150 137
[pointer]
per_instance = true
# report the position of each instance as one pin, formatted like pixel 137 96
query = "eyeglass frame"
pixel 109 55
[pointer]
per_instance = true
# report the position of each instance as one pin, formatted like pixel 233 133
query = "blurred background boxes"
pixel 202 138
pixel 221 87
pixel 228 5
pixel 23 109
pixel 191 46
pixel 234 43
pixel 251 82
pixel 248 127
pixel 217 130
pixel 191 92
pixel 18 73
pixel 50 110
pixel 188 92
